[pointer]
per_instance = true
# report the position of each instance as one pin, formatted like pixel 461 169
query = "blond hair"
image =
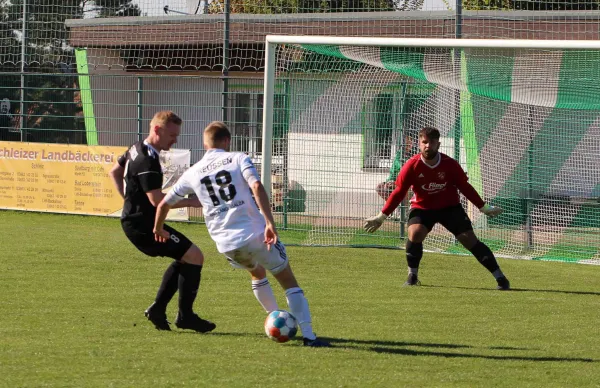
pixel 215 133
pixel 165 117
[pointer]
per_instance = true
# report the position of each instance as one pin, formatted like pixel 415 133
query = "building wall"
pixel 197 101
pixel 115 94
pixel 114 99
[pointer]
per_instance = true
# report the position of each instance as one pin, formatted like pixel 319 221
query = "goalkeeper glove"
pixel 491 211
pixel 373 223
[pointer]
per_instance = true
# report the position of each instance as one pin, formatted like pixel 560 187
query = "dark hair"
pixel 216 132
pixel 430 133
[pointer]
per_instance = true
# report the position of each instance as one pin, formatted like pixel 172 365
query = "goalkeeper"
pixel 436 179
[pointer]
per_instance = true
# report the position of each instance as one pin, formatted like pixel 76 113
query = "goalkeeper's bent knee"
pixel 484 255
pixel 414 253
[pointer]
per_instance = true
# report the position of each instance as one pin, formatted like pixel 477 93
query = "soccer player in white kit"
pixel 242 228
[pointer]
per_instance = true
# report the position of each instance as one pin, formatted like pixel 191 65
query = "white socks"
pixel 296 301
pixel 264 294
pixel 299 308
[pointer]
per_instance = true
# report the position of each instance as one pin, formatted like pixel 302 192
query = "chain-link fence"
pixel 217 39
pixel 94 72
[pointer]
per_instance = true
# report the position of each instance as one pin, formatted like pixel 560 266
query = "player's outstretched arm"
pixel 472 195
pixel 403 183
pixel 192 201
pixel 374 223
pixel 116 174
pixel 491 211
pixel 262 200
pixel 156 196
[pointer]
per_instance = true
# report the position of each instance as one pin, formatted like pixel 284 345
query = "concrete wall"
pixel 115 96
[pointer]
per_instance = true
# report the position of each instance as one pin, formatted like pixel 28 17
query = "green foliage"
pixel 52 106
pixel 556 5
pixel 46 34
pixel 313 6
pixel 531 5
pixel 112 8
pixel 319 6
pixel 477 5
pixel 54 109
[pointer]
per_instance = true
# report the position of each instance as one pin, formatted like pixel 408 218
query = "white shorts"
pixel 255 253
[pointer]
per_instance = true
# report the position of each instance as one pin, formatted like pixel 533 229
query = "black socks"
pixel 169 285
pixel 484 255
pixel 189 282
pixel 414 253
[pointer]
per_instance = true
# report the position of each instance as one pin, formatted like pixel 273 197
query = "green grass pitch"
pixel 73 291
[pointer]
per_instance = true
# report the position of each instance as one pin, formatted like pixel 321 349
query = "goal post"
pixel 522 117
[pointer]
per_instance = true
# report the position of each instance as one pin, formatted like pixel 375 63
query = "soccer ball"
pixel 280 326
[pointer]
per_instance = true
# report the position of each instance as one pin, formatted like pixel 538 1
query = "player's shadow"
pixel 419 344
pixel 399 347
pixel 393 343
pixel 556 291
pixel 514 290
pixel 222 333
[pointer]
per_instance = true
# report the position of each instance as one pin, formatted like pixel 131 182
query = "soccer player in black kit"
pixel 138 177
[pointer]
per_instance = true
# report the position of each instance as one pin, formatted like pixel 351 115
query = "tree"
pixel 313 6
pixel 476 5
pixel 46 33
pixel 556 5
pixel 112 8
pixel 532 5
pixel 51 99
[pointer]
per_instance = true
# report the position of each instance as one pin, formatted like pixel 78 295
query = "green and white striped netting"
pixel 524 124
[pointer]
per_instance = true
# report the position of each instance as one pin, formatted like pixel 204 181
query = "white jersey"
pixel 221 182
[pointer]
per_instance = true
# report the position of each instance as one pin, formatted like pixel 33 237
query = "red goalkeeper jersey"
pixel 435 187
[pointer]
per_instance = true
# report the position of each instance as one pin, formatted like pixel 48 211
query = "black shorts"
pixel 143 239
pixel 453 218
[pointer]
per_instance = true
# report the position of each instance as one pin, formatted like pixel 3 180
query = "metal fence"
pixel 123 105
pixel 40 79
pixel 95 72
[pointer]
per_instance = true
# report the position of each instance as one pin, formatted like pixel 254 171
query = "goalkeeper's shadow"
pixel 411 352
pixel 404 348
pixel 514 290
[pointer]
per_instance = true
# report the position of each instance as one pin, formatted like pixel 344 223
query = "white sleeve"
pixel 249 171
pixel 179 190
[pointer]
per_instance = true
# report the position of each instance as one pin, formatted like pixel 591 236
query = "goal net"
pixel 522 118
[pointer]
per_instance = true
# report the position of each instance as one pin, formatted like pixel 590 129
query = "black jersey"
pixel 143 173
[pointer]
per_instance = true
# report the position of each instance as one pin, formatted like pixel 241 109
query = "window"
pixel 382 125
pixel 246 115
pixel 246 122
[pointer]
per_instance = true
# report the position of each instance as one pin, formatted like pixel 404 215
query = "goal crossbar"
pixel 436 42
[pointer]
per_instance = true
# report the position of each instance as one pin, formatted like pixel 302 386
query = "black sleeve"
pixel 122 159
pixel 149 175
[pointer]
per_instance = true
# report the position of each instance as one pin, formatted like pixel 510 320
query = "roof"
pixel 199 30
